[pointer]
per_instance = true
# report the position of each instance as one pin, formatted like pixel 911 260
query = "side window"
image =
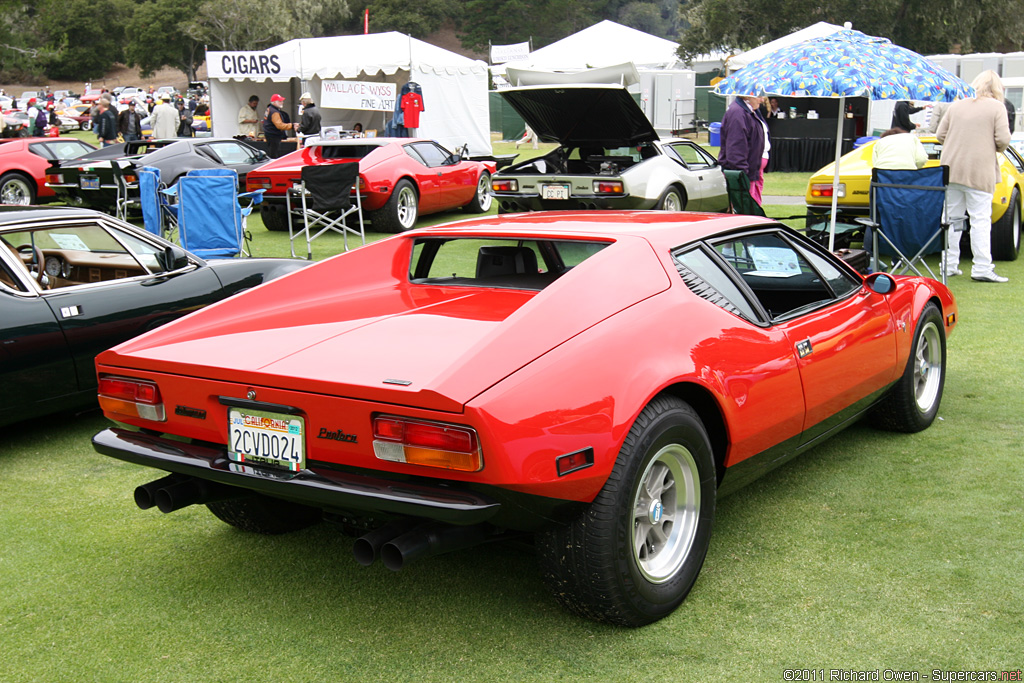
pixel 231 153
pixel 8 278
pixel 80 254
pixel 67 149
pixel 41 150
pixel 707 280
pixel 839 281
pixel 779 275
pixel 432 154
pixel 1015 159
pixel 691 155
pixel 144 251
pixel 414 154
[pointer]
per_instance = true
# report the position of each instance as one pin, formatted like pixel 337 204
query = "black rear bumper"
pixel 318 487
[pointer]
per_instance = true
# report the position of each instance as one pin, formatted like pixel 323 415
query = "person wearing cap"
pixel 248 118
pixel 309 125
pixel 164 120
pixel 275 125
pixel 129 123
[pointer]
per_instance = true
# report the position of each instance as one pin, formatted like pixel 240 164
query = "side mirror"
pixel 172 258
pixel 881 283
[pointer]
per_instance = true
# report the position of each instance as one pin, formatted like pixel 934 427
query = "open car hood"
pixel 582 115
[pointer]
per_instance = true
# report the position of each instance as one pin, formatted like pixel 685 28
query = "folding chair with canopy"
pixel 211 220
pixel 908 213
pixel 325 196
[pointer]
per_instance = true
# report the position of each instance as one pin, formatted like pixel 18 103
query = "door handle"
pixel 70 311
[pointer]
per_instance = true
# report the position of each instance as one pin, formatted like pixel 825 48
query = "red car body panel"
pixel 439 189
pixel 538 374
pixel 15 156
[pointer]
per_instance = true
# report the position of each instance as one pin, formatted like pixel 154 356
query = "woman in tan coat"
pixel 973 133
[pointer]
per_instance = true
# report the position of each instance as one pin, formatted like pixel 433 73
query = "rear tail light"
pixel 55 178
pixel 131 179
pixel 131 397
pixel 505 185
pixel 431 444
pixel 608 187
pixel 823 190
pixel 257 184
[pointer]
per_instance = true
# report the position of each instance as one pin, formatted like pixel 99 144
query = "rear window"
pixel 502 263
pixel 346 151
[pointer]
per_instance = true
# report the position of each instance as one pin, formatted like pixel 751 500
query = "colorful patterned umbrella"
pixel 845 64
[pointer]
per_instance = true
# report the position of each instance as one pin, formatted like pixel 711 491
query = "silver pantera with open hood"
pixel 610 156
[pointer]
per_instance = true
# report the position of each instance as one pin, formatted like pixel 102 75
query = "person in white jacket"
pixel 164 121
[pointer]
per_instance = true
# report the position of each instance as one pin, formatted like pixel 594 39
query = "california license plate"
pixel 89 182
pixel 264 438
pixel 554 191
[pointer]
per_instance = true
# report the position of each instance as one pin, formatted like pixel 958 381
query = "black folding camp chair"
pixel 325 200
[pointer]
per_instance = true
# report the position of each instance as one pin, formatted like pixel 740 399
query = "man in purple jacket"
pixel 743 138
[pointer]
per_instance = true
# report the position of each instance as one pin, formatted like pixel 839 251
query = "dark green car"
pixel 75 282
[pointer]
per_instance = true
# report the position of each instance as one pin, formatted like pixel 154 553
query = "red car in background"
pixel 24 163
pixel 399 179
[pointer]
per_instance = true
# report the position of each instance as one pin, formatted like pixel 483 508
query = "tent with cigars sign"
pixel 350 78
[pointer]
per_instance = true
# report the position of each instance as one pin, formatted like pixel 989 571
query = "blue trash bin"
pixel 715 134
pixel 860 142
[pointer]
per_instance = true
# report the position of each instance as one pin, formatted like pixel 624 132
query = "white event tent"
pixel 822 28
pixel 606 43
pixel 454 87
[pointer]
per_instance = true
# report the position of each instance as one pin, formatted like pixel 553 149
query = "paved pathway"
pixel 780 199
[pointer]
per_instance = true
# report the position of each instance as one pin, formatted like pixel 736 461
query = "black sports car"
pixel 75 282
pixel 88 180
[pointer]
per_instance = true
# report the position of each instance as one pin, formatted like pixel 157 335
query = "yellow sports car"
pixel 855 179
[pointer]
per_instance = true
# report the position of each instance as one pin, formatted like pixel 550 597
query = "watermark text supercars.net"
pixel 816 675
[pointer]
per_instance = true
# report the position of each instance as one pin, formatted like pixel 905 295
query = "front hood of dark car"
pixel 582 115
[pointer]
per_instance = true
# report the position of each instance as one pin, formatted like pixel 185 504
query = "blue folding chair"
pixel 158 215
pixel 211 220
pixel 908 214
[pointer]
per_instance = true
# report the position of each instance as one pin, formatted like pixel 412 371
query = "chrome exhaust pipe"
pixel 145 495
pixel 429 540
pixel 367 547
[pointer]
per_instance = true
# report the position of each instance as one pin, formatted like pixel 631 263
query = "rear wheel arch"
pixel 707 408
pixel 680 190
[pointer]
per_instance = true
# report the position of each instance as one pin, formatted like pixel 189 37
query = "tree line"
pixel 82 39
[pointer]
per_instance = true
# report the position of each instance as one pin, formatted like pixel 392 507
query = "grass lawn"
pixel 873 551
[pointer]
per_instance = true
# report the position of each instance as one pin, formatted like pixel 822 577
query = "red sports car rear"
pixel 596 378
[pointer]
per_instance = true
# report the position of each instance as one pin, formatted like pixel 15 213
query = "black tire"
pixel 482 198
pixel 673 199
pixel 603 565
pixel 400 212
pixel 913 402
pixel 1006 232
pixel 275 218
pixel 264 515
pixel 17 188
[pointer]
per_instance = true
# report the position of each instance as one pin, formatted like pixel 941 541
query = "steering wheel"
pixel 37 258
